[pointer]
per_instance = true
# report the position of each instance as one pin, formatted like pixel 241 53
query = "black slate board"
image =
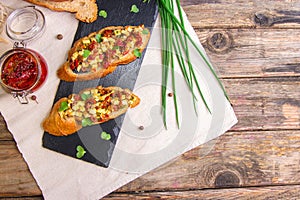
pixel 99 151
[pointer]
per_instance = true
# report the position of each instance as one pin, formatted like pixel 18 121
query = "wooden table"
pixel 255 48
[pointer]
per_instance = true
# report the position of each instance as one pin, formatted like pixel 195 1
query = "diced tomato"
pixel 92 45
pixel 107 33
pixel 126 52
pixel 74 64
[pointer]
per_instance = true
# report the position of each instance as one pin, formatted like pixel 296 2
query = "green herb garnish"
pixel 105 136
pixel 145 32
pixel 86 53
pixel 175 39
pixel 85 96
pixel 134 9
pixel 86 122
pixel 63 106
pixel 98 38
pixel 103 13
pixel 137 53
pixel 80 151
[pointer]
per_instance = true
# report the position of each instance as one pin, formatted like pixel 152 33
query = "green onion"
pixel 175 39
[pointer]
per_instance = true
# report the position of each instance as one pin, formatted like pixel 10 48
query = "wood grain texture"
pixel 236 159
pixel 257 193
pixel 237 53
pixel 243 13
pixel 15 179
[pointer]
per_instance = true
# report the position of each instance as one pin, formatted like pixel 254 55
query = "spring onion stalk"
pixel 175 38
pixel 162 4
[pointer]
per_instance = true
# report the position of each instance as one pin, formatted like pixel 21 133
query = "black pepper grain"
pixel 141 128
pixel 59 36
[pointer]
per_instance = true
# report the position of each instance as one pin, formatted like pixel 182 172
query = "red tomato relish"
pixel 20 71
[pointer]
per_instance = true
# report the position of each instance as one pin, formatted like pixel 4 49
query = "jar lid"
pixel 25 24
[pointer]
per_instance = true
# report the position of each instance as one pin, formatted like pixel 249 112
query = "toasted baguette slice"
pixel 99 53
pixel 86 10
pixel 90 107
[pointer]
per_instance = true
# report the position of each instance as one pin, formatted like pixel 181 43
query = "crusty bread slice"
pixel 66 73
pixel 59 125
pixel 86 10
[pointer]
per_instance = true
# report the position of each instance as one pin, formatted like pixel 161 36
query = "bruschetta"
pixel 89 107
pixel 99 53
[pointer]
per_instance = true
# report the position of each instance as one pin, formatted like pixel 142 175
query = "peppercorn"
pixel 59 36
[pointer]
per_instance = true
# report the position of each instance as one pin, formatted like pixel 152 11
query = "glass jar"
pixel 23 70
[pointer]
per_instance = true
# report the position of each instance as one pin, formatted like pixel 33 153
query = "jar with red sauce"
pixel 23 70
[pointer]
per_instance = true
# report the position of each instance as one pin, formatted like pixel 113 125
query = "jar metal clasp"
pixel 21 96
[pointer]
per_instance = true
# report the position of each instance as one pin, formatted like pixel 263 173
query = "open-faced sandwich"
pixel 90 107
pixel 101 52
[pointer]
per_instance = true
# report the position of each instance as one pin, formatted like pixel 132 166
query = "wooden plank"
pixel 239 53
pixel 265 104
pixel 236 159
pixel 242 13
pixel 4 133
pixel 257 193
pixel 16 180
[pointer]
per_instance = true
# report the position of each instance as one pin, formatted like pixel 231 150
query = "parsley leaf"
pixel 134 9
pixel 137 53
pixel 103 13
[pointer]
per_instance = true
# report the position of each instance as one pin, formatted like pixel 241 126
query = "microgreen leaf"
pixel 98 38
pixel 137 53
pixel 105 136
pixel 85 96
pixel 103 13
pixel 63 106
pixel 86 53
pixel 80 151
pixel 145 32
pixel 134 9
pixel 86 122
